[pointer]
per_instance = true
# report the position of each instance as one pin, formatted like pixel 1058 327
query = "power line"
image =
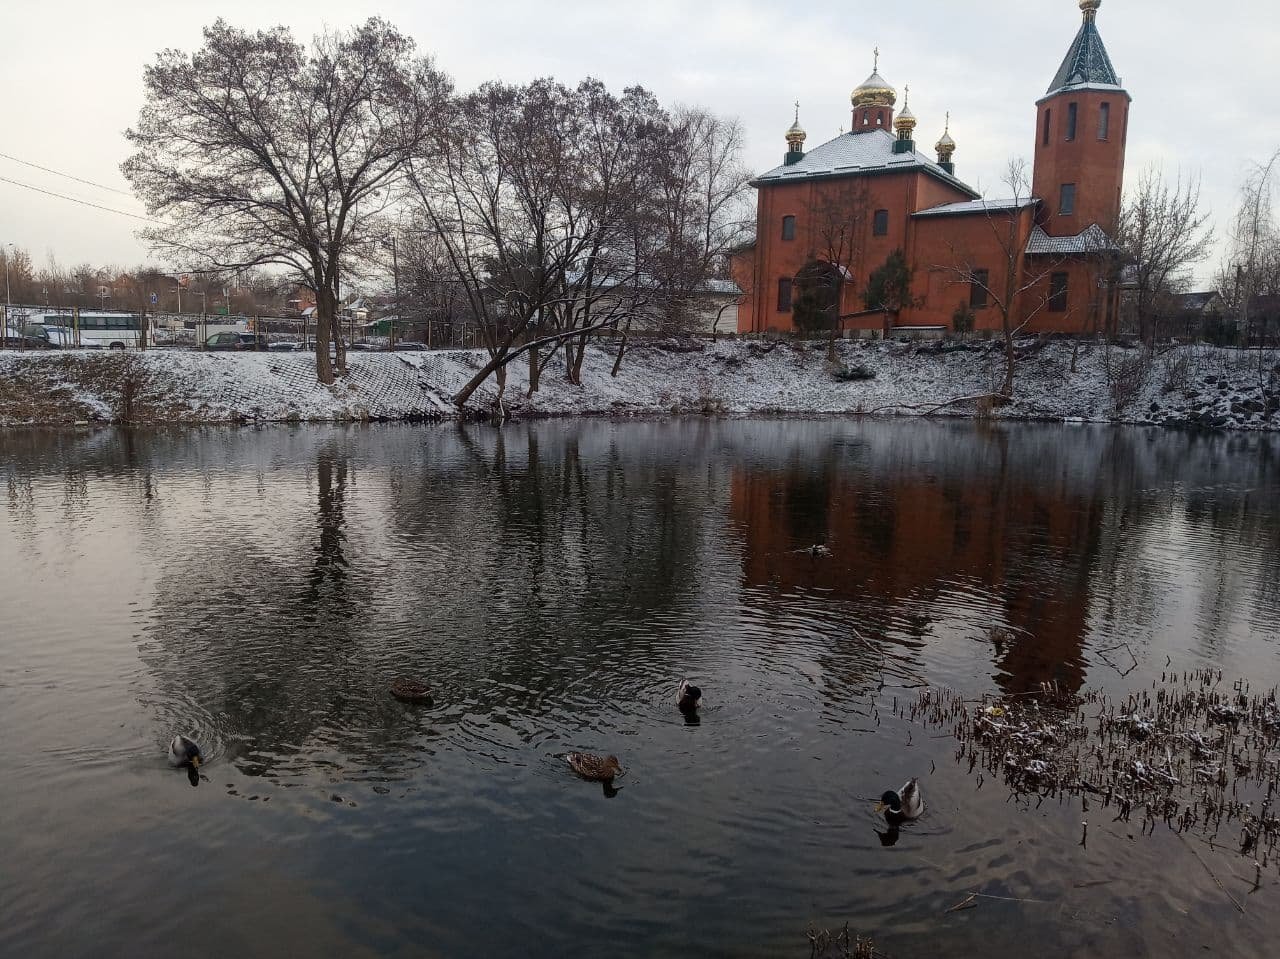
pixel 37 166
pixel 63 196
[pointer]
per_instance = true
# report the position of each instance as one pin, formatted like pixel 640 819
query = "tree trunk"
pixel 534 371
pixel 504 354
pixel 576 377
pixel 570 359
pixel 500 411
pixel 324 330
pixel 498 360
pixel 1009 358
pixel 622 349
pixel 339 343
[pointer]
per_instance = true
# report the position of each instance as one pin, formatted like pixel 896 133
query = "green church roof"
pixel 1086 64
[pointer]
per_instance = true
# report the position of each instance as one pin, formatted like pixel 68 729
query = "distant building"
pixel 301 301
pixel 1262 321
pixel 1192 316
pixel 827 218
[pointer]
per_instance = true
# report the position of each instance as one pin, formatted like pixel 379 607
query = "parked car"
pixel 235 341
pixel 284 346
pixel 407 346
pixel 31 337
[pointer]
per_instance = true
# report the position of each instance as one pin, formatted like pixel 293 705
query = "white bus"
pixel 91 329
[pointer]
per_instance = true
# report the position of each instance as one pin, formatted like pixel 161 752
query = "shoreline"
pixel 1194 386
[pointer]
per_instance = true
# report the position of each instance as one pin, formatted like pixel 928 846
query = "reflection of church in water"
pixel 902 539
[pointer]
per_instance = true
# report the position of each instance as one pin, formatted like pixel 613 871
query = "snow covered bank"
pixel 1195 385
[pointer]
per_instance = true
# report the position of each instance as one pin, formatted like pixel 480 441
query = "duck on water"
pixel 902 805
pixel 185 752
pixel 688 697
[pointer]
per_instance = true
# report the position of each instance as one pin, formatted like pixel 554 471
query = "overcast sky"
pixel 1203 78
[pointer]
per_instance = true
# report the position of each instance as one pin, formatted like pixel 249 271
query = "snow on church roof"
pixel 857 153
pixel 1092 239
pixel 977 206
pixel 1087 65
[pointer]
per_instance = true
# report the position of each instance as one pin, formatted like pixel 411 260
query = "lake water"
pixel 258 589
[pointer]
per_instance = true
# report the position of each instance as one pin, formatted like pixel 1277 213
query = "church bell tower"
pixel 1082 125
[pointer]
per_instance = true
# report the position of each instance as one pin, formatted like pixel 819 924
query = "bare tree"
pixel 698 200
pixel 1008 282
pixel 19 280
pixel 614 203
pixel 1253 264
pixel 257 151
pixel 839 222
pixel 531 204
pixel 1163 234
pixel 432 299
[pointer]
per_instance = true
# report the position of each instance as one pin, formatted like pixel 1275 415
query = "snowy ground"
pixel 1196 384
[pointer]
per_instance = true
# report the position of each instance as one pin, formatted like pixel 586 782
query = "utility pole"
pixel 395 274
pixel 4 337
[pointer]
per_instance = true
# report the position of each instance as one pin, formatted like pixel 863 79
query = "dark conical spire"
pixel 1086 63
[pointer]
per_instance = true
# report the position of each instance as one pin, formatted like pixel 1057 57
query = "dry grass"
pixel 825 944
pixel 1191 753
pixel 111 387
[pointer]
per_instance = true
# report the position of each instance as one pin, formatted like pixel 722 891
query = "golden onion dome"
pixel 874 91
pixel 946 145
pixel 905 121
pixel 795 133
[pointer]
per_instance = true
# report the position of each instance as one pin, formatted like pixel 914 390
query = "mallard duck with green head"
pixel 903 804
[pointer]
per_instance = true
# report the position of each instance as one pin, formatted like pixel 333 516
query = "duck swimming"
pixel 688 697
pixel 411 691
pixel 905 804
pixel 185 752
pixel 600 769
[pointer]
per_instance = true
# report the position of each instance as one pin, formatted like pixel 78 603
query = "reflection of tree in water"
pixel 325 595
pixel 567 546
pixel 271 647
pixel 565 566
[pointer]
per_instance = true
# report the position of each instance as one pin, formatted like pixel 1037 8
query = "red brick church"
pixel 829 218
